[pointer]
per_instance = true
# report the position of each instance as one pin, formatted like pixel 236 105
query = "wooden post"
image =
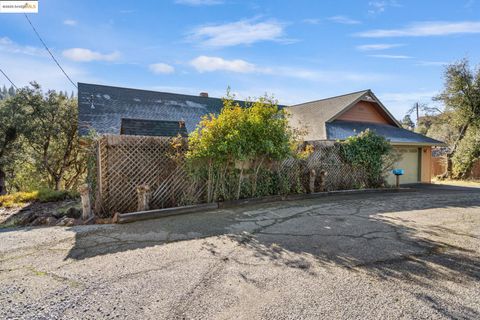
pixel 321 177
pixel 398 180
pixel 143 193
pixel 86 207
pixel 313 175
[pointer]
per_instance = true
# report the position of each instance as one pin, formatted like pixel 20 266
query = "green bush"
pixel 368 151
pixel 231 151
pixel 48 195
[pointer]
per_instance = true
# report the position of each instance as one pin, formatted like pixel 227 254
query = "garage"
pixel 409 162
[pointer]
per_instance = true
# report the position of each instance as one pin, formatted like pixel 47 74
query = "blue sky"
pixel 296 50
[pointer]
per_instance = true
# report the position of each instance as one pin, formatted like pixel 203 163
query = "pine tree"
pixel 11 91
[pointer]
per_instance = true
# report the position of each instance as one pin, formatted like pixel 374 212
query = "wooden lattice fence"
pixel 126 162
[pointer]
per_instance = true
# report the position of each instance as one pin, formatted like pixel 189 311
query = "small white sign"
pixel 19 6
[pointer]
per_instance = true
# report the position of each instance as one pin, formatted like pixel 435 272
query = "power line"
pixel 48 50
pixel 13 84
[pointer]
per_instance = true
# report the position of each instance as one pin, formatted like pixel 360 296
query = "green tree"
pixel 15 115
pixel 461 97
pixel 54 140
pixel 407 122
pixel 371 153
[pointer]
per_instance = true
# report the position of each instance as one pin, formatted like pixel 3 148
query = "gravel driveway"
pixel 373 256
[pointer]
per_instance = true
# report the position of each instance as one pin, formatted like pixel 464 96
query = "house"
pixel 339 117
pixel 114 110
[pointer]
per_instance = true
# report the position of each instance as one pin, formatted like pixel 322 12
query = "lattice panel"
pixel 126 162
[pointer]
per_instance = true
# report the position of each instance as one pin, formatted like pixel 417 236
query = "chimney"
pixel 204 94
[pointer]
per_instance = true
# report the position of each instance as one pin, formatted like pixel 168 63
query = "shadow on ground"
pixel 391 236
pixel 380 233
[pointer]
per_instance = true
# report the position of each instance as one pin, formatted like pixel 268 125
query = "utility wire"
pixel 48 50
pixel 13 84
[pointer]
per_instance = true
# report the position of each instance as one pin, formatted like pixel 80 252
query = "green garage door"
pixel 410 163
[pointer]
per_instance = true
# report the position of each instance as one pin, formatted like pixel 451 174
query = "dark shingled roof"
pixel 341 130
pixel 102 108
pixel 162 128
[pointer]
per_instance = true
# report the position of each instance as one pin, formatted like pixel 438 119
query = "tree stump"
pixel 84 191
pixel 143 194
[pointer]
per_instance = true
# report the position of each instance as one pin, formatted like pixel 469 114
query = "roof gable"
pixel 368 96
pixel 311 116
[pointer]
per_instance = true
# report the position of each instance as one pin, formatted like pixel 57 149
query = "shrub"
pixel 43 195
pixel 18 198
pixel 370 152
pixel 48 195
pixel 230 150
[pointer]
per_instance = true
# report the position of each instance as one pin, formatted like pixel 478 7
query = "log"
pixel 84 191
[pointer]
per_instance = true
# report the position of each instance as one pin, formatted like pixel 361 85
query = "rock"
pixel 51 221
pixel 27 217
pixel 66 222
pixel 74 213
pixel 39 221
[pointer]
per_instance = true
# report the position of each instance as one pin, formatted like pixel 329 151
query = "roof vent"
pixel 204 94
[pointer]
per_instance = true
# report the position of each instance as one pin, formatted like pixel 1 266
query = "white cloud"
pixel 70 22
pixel 378 46
pixel 209 64
pixel 390 56
pixel 236 33
pixel 86 55
pixel 343 20
pixel 161 68
pixel 424 63
pixel 424 29
pixel 199 2
pixel 380 6
pixel 8 45
pixel 312 21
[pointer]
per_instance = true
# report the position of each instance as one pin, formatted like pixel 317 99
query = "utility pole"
pixel 417 107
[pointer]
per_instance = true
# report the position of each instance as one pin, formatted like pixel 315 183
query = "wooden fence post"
pixel 86 207
pixel 312 177
pixel 143 193
pixel 321 177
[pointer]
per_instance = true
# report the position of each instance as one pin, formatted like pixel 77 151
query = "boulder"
pixel 51 221
pixel 39 221
pixel 66 222
pixel 27 217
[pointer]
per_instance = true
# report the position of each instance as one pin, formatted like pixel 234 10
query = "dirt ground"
pixel 408 255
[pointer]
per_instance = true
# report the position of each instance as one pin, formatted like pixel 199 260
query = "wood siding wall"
pixel 365 111
pixel 439 165
pixel 426 165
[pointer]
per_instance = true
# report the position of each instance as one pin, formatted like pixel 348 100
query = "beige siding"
pixel 409 163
